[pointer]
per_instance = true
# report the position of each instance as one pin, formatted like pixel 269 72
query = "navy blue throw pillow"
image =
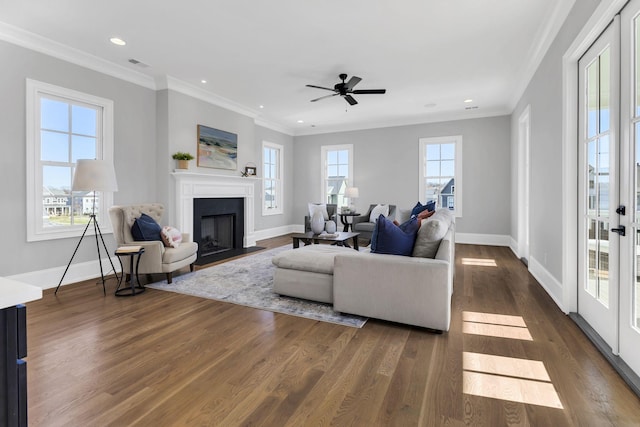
pixel 431 205
pixel 145 228
pixel 388 238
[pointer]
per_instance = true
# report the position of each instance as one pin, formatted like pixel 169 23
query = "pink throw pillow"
pixel 171 237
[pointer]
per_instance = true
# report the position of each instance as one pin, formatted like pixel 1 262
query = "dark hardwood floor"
pixel 165 359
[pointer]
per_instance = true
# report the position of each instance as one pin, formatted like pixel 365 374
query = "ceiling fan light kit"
pixel 345 89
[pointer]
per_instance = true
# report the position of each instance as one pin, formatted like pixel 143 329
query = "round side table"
pixel 345 222
pixel 132 289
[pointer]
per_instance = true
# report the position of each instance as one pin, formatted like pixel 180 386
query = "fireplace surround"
pixel 190 186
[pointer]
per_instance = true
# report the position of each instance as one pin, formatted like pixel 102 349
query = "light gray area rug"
pixel 248 281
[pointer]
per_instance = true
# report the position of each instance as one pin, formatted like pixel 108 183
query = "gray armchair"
pixel 331 210
pixel 156 258
pixel 362 225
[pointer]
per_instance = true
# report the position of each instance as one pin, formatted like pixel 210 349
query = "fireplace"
pixel 218 228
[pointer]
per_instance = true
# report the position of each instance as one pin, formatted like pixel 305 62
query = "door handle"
pixel 621 210
pixel 620 230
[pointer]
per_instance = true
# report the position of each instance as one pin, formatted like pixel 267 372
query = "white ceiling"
pixel 253 52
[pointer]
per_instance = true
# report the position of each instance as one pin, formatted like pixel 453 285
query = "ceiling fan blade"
pixel 350 100
pixel 323 97
pixel 368 91
pixel 352 82
pixel 320 87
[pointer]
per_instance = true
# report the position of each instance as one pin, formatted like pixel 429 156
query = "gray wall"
pixel 386 169
pixel 286 218
pixel 544 95
pixel 134 151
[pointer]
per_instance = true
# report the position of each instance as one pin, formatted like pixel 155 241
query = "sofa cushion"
pixel 314 258
pixel 145 228
pixel 419 207
pixel 444 214
pixel 390 239
pixel 184 251
pixel 377 211
pixel 428 238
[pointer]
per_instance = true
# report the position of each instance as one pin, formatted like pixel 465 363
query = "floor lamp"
pixel 93 175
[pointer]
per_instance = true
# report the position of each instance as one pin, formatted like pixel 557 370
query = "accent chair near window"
pixel 362 224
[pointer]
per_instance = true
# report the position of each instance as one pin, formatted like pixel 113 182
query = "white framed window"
pixel 63 126
pixel 272 156
pixel 441 172
pixel 337 173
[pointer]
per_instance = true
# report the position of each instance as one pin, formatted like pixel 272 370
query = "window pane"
pixel 332 157
pixel 273 171
pixel 591 283
pixel 433 168
pixel 592 99
pixel 448 151
pixel 343 170
pixel 591 191
pixel 332 171
pixel 605 90
pixel 83 120
pixel 82 147
pixel 343 157
pixel 637 67
pixel 602 176
pixel 636 172
pixel 603 264
pixel 54 146
pixel 57 177
pixel 447 168
pixel 433 151
pixel 54 115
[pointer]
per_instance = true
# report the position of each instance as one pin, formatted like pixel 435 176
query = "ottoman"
pixel 307 272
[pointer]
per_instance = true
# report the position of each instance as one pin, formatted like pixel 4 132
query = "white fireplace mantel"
pixel 191 186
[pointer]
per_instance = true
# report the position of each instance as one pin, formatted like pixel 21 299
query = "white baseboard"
pixel 549 283
pixel 77 272
pixel 513 245
pixel 483 239
pixel 278 231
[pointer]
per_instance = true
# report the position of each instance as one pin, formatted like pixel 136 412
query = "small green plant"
pixel 182 156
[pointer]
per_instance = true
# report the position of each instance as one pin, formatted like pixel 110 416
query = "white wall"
pixel 386 169
pixel 134 152
pixel 544 95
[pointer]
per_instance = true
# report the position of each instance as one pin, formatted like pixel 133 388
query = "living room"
pixel 156 116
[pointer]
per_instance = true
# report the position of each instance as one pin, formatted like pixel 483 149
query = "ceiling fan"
pixel 346 89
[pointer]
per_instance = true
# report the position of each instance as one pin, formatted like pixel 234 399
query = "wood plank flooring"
pixel 165 359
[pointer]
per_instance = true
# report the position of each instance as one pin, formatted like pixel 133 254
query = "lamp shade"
pixel 94 175
pixel 351 192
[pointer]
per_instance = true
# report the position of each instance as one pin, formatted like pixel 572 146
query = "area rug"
pixel 248 281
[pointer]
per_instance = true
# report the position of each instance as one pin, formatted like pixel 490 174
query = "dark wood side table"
pixel 344 220
pixel 133 289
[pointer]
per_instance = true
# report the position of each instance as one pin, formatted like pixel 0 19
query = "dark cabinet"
pixel 13 370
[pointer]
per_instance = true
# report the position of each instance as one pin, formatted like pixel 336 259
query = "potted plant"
pixel 183 159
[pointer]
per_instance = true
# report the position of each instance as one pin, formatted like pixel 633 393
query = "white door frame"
pixel 524 136
pixel 598 22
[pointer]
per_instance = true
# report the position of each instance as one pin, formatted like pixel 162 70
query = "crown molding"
pixel 35 42
pixel 171 83
pixel 274 126
pixel 434 118
pixel 542 42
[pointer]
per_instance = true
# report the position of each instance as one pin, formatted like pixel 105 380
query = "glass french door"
pixel 598 186
pixel 609 186
pixel 629 319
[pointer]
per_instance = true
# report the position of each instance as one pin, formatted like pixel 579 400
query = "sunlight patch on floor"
pixel 505 366
pixel 495 325
pixel 482 262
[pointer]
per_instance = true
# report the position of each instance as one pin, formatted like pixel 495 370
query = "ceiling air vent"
pixel 138 63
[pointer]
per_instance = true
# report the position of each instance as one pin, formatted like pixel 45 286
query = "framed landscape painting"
pixel 217 148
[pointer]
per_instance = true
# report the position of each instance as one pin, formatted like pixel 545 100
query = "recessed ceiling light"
pixel 118 41
pixel 300 121
pixel 468 101
pixel 203 81
pixel 261 106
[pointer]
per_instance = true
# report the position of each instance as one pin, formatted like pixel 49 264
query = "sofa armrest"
pixel 414 291
pixel 186 237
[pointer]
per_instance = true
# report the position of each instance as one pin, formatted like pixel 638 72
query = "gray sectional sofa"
pixel 414 290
